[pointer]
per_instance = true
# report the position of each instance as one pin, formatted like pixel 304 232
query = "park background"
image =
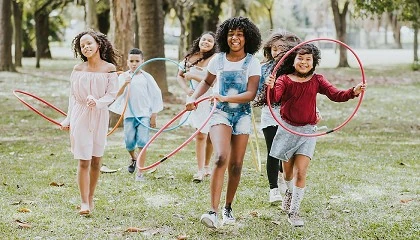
pixel 362 184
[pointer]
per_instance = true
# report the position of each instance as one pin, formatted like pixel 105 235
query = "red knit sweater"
pixel 298 99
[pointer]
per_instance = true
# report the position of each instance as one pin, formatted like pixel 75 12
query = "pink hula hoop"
pixel 15 92
pixel 180 146
pixel 351 115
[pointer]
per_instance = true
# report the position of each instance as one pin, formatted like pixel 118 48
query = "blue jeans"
pixel 135 134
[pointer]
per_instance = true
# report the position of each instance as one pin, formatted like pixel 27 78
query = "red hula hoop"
pixel 180 146
pixel 15 92
pixel 351 115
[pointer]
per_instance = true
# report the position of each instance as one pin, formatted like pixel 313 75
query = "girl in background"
pixel 195 63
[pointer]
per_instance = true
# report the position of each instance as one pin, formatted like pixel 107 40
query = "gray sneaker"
pixel 287 201
pixel 209 219
pixel 295 220
pixel 228 217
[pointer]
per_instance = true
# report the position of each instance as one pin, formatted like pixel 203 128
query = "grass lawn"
pixel 363 182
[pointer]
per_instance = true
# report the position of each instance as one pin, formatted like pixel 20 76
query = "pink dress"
pixel 89 125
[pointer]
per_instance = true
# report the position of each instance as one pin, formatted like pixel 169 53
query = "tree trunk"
pixel 6 63
pixel 90 16
pixel 41 34
pixel 122 30
pixel 341 29
pixel 150 16
pixel 416 43
pixel 396 27
pixel 17 17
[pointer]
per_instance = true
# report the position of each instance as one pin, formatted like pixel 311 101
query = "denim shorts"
pixel 135 134
pixel 239 121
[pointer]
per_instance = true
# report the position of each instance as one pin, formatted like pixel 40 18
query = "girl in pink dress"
pixel 94 85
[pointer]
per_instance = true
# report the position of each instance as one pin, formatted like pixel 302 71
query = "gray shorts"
pixel 286 145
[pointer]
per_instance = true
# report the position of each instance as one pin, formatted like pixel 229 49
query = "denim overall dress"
pixel 236 115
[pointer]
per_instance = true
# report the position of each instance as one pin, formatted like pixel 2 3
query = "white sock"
pixel 297 197
pixel 289 185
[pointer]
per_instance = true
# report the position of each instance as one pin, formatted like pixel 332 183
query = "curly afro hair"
pixel 251 32
pixel 106 50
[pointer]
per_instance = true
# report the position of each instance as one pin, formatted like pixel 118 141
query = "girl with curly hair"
pixel 234 74
pixel 93 86
pixel 195 63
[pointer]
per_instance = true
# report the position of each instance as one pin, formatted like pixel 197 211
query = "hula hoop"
pixel 15 92
pixel 351 115
pixel 129 105
pixel 180 146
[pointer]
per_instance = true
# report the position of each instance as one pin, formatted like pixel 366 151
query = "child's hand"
pixel 90 101
pixel 127 77
pixel 219 98
pixel 361 87
pixel 190 105
pixel 65 128
pixel 269 81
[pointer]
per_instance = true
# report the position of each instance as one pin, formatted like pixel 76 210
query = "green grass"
pixel 363 182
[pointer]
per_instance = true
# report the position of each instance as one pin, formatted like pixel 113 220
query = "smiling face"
pixel 236 40
pixel 88 46
pixel 134 61
pixel 303 63
pixel 206 43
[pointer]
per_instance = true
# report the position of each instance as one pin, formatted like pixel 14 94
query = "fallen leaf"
pixel 182 237
pixel 254 213
pixel 135 229
pixel 54 184
pixel 276 222
pixel 346 211
pixel 23 224
pixel 24 210
pixel 406 200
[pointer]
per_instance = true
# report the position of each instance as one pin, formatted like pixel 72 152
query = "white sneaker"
pixel 209 219
pixel 228 217
pixel 207 171
pixel 140 178
pixel 198 177
pixel 274 196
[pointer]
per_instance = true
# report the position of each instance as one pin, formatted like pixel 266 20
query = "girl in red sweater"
pixel 297 93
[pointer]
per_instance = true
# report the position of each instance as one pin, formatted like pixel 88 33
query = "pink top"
pixel 89 125
pixel 298 99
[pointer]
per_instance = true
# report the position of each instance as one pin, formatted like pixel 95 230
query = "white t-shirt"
pixel 254 68
pixel 145 96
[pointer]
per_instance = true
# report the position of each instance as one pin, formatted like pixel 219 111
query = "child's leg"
pixel 239 143
pixel 95 167
pixel 301 166
pixel 200 149
pixel 83 182
pixel 221 138
pixel 209 152
pixel 273 165
pixel 288 172
pixel 142 158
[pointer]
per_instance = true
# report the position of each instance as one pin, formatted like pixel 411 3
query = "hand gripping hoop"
pixel 351 115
